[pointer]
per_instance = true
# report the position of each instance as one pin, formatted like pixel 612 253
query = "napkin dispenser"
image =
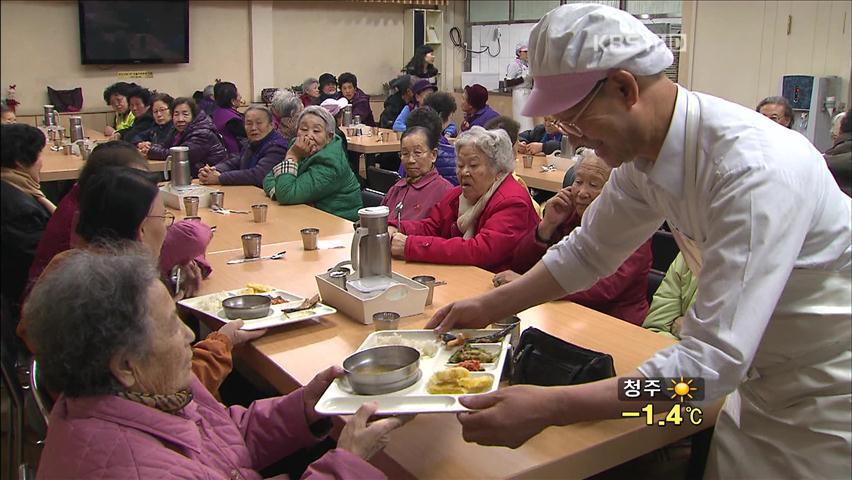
pixel 173 196
pixel 405 297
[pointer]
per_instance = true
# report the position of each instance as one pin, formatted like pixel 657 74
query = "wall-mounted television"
pixel 130 32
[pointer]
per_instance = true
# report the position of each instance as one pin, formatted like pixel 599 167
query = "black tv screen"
pixel 145 31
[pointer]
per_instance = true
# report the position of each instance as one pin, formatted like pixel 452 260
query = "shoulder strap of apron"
pixel 689 249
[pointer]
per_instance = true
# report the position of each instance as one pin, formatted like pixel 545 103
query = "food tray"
pixel 212 305
pixel 339 399
pixel 406 298
pixel 173 196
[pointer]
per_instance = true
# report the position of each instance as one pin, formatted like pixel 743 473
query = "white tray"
pixel 212 305
pixel 406 298
pixel 338 399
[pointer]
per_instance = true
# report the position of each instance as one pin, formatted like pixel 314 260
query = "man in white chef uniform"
pixel 519 80
pixel 759 219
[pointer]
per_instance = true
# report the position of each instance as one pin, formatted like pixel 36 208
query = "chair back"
pixel 371 198
pixel 664 250
pixel 655 278
pixel 381 180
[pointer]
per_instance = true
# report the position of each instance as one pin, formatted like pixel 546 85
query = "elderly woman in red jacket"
pixel 478 222
pixel 622 294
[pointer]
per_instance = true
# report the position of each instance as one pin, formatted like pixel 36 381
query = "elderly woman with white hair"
pixel 315 169
pixel 478 222
pixel 624 294
pixel 286 107
pixel 130 406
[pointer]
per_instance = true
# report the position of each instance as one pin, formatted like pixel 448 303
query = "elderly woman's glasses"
pixel 168 218
pixel 417 154
pixel 571 128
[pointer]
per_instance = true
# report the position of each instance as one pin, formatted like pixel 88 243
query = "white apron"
pixel 792 415
pixel 520 94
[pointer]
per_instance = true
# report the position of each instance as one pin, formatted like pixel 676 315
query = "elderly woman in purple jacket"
pixel 193 129
pixel 475 107
pixel 359 100
pixel 266 148
pixel 130 406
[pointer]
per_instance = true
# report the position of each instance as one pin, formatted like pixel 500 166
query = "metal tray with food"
pixel 431 382
pixel 259 306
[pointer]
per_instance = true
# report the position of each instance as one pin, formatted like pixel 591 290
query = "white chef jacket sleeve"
pixel 758 219
pixel 613 227
pixel 514 70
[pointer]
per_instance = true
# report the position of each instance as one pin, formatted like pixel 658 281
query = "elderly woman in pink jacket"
pixel 132 409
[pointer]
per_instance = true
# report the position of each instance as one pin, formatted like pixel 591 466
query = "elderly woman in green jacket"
pixel 672 299
pixel 315 169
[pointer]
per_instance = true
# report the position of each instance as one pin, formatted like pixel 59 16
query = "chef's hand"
pixel 508 417
pixel 398 245
pixel 365 440
pixel 677 324
pixel 315 388
pixel 237 336
pixel 504 277
pixel 556 211
pixel 467 313
pixel 535 148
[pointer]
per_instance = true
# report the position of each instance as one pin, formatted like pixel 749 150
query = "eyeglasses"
pixel 168 218
pixel 160 110
pixel 571 128
pixel 416 154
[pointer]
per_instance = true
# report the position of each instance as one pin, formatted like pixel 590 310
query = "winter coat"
pixel 222 119
pixel 22 224
pixel 550 143
pixel 624 294
pixel 323 180
pixel 839 160
pixel 480 117
pixel 417 198
pixel 205 145
pixel 158 134
pixel 393 105
pixel 255 162
pixel 361 107
pixel 506 218
pixel 140 124
pixel 107 436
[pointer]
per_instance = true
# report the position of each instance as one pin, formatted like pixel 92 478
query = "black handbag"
pixel 66 100
pixel 542 359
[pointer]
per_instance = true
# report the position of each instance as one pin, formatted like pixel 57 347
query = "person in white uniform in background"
pixel 519 80
pixel 760 220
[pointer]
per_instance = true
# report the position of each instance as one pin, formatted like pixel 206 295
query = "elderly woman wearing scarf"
pixel 25 209
pixel 480 221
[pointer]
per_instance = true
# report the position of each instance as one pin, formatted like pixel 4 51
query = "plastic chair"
pixel 381 180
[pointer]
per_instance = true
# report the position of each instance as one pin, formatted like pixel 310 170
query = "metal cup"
pixel 428 281
pixel 259 212
pixel 68 149
pixel 309 238
pixel 251 245
pixel 84 149
pixel 190 204
pixel 515 336
pixel 386 321
pixel 385 136
pixel 339 277
pixel 217 199
pixel 192 219
pixel 528 161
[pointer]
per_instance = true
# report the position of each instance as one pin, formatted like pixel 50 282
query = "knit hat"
pixel 421 85
pixel 477 95
pixel 326 79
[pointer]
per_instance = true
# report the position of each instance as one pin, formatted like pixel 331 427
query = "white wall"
pixel 40 46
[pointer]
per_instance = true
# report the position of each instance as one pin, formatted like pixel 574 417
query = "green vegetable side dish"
pixel 469 352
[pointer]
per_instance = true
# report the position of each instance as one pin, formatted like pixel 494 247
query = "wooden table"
pixel 431 446
pixel 372 143
pixel 58 166
pixel 535 178
pixel 283 222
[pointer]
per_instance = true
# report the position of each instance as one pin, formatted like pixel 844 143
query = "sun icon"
pixel 681 388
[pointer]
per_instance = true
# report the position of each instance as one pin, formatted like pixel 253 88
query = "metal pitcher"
pixel 76 124
pixel 49 116
pixel 371 254
pixel 177 164
pixel 565 147
pixel 347 115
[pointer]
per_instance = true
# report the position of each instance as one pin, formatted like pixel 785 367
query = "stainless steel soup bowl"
pixel 247 307
pixel 399 365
